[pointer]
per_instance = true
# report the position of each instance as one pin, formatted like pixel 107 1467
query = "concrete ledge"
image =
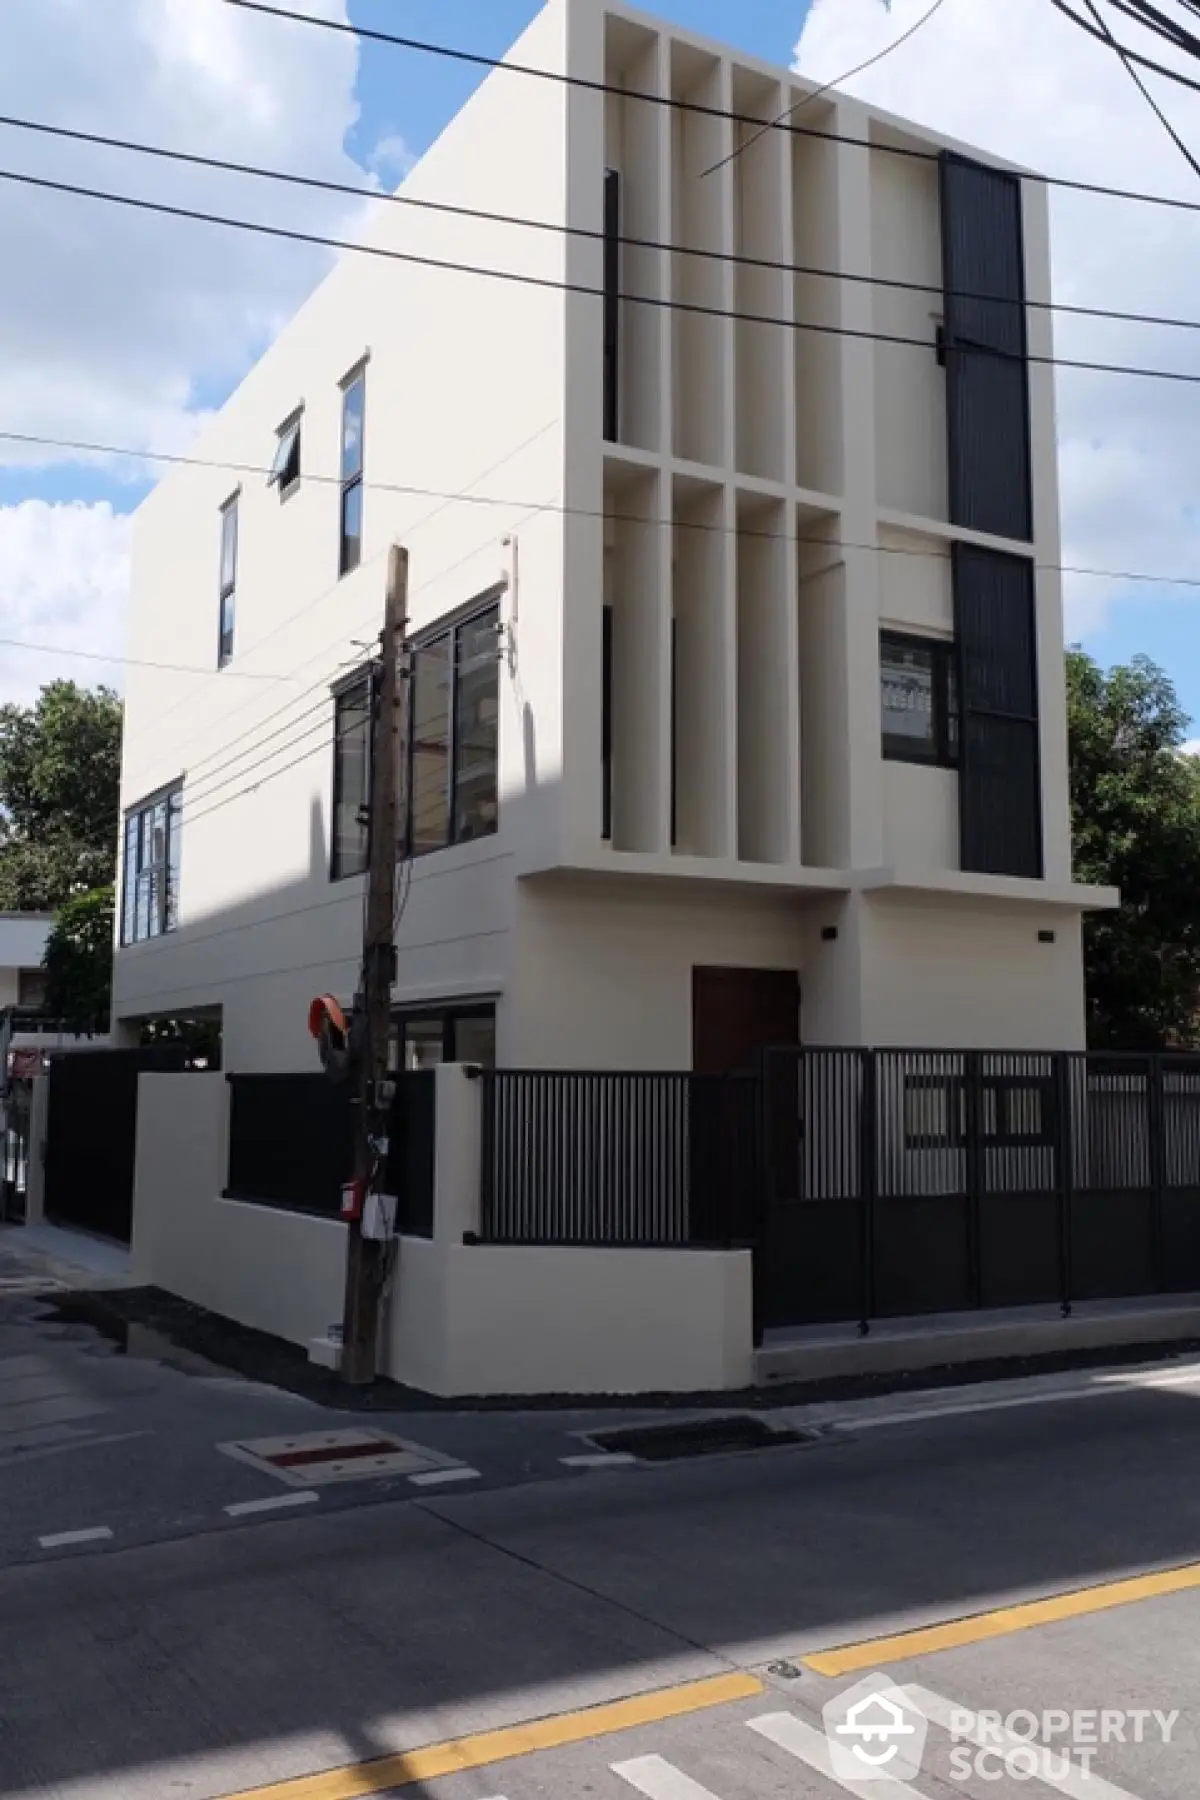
pixel 826 1353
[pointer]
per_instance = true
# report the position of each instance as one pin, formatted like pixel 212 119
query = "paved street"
pixel 451 1638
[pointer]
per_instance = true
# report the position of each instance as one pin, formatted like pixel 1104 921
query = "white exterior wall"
pixel 778 494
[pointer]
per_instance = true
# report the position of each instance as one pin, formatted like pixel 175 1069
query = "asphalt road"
pixel 451 1640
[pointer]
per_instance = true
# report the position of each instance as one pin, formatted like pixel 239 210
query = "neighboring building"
pixel 738 707
pixel 22 946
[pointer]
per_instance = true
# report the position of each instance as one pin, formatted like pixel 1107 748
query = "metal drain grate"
pixel 700 1437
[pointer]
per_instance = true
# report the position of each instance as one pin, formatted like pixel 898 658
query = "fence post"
pixel 868 1181
pixel 1064 1138
pixel 1156 1126
pixel 973 1107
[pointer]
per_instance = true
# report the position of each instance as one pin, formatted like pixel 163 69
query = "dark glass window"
pixel 228 580
pixel 422 1040
pixel 351 779
pixel 31 989
pixel 354 396
pixel 285 468
pixel 453 742
pixel 919 699
pixel 150 868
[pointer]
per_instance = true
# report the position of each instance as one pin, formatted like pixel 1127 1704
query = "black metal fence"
pixel 871 1183
pixel 291 1145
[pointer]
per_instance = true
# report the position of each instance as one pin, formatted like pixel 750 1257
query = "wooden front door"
pixel 738 1012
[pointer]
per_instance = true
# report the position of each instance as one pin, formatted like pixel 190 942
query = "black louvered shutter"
pixel 987 381
pixel 1000 798
pixel 612 302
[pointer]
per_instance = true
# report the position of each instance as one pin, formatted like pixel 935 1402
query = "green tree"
pixel 1135 806
pixel 60 772
pixel 78 961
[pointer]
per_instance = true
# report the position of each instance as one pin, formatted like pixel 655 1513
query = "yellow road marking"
pixel 358 1780
pixel 845 1659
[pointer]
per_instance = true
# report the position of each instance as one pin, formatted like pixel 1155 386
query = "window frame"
pixel 359 681
pixel 292 428
pixel 227 589
pixel 167 902
pixel 443 629
pixel 353 483
pixel 947 704
pixel 450 1016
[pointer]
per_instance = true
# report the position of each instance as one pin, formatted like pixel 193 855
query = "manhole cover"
pixel 309 1459
pixel 701 1437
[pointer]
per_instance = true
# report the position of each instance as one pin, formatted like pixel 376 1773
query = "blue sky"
pixel 177 338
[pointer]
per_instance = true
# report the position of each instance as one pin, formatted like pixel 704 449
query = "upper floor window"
pixel 453 738
pixel 919 699
pixel 285 465
pixel 150 867
pixel 354 397
pixel 351 778
pixel 228 580
pixel 31 989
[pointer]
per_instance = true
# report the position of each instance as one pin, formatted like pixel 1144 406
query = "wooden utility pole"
pixel 366 1257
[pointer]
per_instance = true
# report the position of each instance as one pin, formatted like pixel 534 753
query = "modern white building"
pixel 725 460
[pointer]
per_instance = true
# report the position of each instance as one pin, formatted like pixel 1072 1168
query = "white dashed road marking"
pixel 1075 1782
pixel 655 1777
pixel 440 1477
pixel 811 1746
pixel 275 1503
pixel 58 1539
pixel 598 1460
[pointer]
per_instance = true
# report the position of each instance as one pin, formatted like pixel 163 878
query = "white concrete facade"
pixel 780 494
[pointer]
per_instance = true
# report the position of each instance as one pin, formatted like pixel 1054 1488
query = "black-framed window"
pixel 606 721
pixel 285 465
pixel 150 867
pixel 919 699
pixel 424 1037
pixel 354 402
pixel 351 778
pixel 612 302
pixel 31 989
pixel 453 737
pixel 227 583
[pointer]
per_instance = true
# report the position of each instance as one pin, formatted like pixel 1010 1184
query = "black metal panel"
pixel 412 1145
pixel 1181 1241
pixel 612 302
pixel 291 1141
pixel 1112 1244
pixel 984 345
pixel 809 1264
pixel 92 1135
pixel 1019 1249
pixel 1000 808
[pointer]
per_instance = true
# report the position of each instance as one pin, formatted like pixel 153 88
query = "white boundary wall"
pixel 464 1319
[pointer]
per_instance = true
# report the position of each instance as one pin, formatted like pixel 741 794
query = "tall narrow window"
pixel 612 301
pixel 228 580
pixel 606 708
pixel 454 738
pixel 150 867
pixel 351 779
pixel 354 396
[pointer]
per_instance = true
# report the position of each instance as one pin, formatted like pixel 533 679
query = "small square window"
pixel 918 700
pixel 285 467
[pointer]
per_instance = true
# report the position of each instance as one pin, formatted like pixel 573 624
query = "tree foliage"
pixel 78 961
pixel 1135 805
pixel 60 771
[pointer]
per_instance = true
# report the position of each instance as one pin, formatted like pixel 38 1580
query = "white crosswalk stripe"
pixel 1074 1781
pixel 658 1779
pixel 811 1746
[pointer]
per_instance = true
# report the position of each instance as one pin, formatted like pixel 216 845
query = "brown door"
pixel 738 1012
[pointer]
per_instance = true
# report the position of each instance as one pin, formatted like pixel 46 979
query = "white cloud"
pixel 1019 80
pixel 64 576
pixel 391 159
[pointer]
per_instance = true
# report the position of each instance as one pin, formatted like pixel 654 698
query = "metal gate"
pixel 901 1182
pixel 91 1135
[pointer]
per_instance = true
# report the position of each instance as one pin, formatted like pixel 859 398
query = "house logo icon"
pixel 875 1733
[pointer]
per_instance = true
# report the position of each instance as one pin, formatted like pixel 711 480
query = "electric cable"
pixel 1143 90
pixel 548 283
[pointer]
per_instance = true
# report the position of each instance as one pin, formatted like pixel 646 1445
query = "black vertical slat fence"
pixel 871 1184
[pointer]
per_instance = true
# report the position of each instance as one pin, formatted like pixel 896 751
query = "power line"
pixel 1143 90
pixel 807 100
pixel 1135 56
pixel 739 259
pixel 136 662
pixel 522 279
pixel 516 502
pixel 589 84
